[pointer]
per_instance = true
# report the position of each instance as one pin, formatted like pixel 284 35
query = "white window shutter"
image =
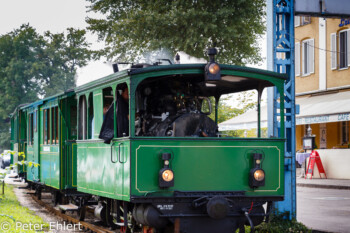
pixel 297 59
pixel 303 44
pixel 311 50
pixel 348 46
pixel 296 21
pixel 333 51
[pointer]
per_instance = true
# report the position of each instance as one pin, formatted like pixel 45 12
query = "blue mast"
pixel 283 62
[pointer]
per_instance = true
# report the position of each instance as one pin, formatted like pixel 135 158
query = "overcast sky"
pixel 56 16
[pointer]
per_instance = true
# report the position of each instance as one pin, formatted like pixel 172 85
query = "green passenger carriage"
pixel 170 168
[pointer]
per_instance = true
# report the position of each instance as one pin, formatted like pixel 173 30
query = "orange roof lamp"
pixel 212 69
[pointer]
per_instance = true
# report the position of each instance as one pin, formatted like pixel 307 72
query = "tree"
pixel 34 66
pixel 64 54
pixel 131 28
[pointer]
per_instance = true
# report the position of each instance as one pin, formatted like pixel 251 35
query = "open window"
pixel 30 129
pixel 54 124
pixel 242 115
pixel 122 110
pixel 46 122
pixel 91 120
pixel 107 99
pixel 73 121
pixel 82 131
pixel 57 124
pixel 177 106
pixel 189 106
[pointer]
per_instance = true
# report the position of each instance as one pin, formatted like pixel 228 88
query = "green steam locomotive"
pixel 140 145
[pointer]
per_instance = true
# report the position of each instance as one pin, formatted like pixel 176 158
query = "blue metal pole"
pixel 283 58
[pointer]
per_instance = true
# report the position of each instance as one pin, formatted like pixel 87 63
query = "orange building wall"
pixel 333 135
pixel 309 82
pixel 335 78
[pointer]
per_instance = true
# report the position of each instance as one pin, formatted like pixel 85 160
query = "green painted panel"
pixel 206 165
pixel 45 168
pixel 50 165
pixel 30 157
pixel 103 169
pixel 71 165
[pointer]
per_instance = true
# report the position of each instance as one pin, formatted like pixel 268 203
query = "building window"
pixel 308 54
pixel 344 137
pixel 340 47
pixel 305 20
pixel 343 63
pixel 297 59
pixel 301 20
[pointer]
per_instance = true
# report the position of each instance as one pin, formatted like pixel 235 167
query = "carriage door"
pixel 122 145
pixel 69 136
pixel 35 171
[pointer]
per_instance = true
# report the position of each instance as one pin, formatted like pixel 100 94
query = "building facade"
pixel 322 69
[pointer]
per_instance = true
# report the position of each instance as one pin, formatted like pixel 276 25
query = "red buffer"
pixel 315 158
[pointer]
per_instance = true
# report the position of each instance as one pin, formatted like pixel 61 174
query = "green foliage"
pixel 34 66
pixel 131 28
pixel 243 102
pixel 280 223
pixel 12 212
pixel 21 159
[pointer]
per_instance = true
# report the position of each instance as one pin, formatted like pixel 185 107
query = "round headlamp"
pixel 214 68
pixel 259 175
pixel 168 175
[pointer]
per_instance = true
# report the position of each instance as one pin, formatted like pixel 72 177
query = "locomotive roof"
pixel 197 68
pixel 39 102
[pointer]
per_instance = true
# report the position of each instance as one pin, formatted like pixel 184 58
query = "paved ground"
pixel 324 209
pixel 324 183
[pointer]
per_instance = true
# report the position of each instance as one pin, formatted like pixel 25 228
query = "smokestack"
pixel 115 68
pixel 177 58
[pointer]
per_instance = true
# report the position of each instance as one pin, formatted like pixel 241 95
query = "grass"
pixel 280 223
pixel 16 218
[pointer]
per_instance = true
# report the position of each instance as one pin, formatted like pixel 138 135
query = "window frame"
pixel 344 133
pixel 82 117
pixel 346 49
pixel 309 48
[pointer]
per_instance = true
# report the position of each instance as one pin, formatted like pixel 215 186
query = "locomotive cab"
pixel 178 152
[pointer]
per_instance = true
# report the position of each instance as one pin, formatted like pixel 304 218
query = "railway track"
pixel 85 226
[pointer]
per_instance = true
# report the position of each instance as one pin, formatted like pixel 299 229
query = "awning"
pixel 324 108
pixel 247 120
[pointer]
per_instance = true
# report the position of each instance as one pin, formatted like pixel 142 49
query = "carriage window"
pixel 107 129
pixel 185 106
pixel 46 126
pixel 91 127
pixel 73 121
pixel 57 124
pixel 35 121
pixel 107 99
pixel 175 107
pixel 239 113
pixel 53 127
pixel 122 105
pixel 82 118
pixel 30 129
